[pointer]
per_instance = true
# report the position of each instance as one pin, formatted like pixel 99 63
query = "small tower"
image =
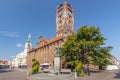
pixel 64 20
pixel 28 44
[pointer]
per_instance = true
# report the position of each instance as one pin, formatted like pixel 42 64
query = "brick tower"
pixel 64 20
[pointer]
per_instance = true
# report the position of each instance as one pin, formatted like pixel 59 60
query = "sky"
pixel 18 18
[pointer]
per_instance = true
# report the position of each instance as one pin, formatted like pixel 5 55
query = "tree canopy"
pixel 86 46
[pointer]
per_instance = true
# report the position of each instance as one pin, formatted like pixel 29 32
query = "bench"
pixel 65 71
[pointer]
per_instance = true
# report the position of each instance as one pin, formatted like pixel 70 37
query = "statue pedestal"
pixel 57 64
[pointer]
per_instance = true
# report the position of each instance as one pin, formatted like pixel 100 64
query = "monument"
pixel 57 60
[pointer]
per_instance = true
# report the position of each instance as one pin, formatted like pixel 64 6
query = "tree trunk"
pixel 100 67
pixel 88 70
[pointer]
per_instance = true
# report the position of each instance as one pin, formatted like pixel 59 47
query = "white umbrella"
pixel 45 64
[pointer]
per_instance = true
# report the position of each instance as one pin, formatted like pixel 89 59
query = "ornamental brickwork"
pixel 64 20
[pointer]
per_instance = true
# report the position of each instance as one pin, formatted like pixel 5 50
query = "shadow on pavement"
pixel 117 75
pixel 96 71
pixel 5 70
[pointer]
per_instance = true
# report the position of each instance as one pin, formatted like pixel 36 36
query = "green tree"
pixel 102 56
pixel 85 47
pixel 35 67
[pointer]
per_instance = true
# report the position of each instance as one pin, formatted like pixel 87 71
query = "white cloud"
pixel 11 56
pixel 9 34
pixel 19 45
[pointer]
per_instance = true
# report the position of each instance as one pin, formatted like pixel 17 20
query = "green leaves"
pixel 86 47
pixel 78 66
pixel 35 67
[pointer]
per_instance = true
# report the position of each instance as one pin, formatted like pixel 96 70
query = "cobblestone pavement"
pixel 44 76
pixel 7 74
pixel 96 75
pixel 103 75
pixel 20 74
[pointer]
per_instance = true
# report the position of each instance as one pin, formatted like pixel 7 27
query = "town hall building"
pixel 44 51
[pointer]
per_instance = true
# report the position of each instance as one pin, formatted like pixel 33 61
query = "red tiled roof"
pixel 49 41
pixel 4 61
pixel 55 39
pixel 46 40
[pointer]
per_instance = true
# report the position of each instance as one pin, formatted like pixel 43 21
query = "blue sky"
pixel 38 17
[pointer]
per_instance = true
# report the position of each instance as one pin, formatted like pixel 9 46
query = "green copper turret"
pixel 29 38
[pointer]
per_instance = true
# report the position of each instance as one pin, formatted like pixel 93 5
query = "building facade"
pixel 44 51
pixel 4 64
pixel 64 20
pixel 21 58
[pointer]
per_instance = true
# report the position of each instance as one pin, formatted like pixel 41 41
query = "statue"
pixel 57 60
pixel 57 51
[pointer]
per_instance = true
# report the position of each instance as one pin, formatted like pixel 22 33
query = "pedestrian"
pixel 88 71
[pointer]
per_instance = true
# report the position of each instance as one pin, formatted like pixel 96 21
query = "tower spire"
pixel 29 38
